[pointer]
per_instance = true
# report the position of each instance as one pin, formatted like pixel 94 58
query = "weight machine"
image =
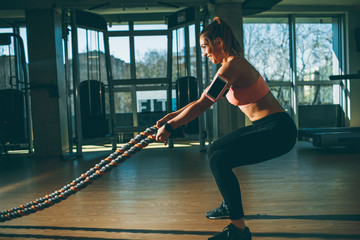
pixel 15 113
pixel 89 80
pixel 188 88
pixel 333 136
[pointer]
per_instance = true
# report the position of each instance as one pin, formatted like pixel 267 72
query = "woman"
pixel 271 134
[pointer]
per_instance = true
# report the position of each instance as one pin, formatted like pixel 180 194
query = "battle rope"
pixel 141 141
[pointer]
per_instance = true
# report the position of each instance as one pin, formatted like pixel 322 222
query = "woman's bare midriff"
pixel 264 107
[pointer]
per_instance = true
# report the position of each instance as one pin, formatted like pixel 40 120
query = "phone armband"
pixel 217 88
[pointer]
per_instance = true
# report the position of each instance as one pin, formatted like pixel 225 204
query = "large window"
pixel 314 60
pixel 296 55
pixel 267 47
pixel 91 55
pixel 151 56
pixel 184 52
pixel 192 46
pixel 313 48
pixel 139 67
pixel 178 61
pixel 120 57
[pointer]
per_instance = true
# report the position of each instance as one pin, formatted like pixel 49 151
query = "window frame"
pixel 338 27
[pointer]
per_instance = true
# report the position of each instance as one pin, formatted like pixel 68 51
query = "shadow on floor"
pixel 171 232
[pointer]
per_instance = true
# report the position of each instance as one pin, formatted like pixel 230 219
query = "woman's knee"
pixel 216 162
pixel 215 146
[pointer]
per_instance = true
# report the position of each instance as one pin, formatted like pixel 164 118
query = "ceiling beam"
pixel 251 7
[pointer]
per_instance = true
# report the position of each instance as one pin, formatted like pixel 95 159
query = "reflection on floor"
pixel 163 193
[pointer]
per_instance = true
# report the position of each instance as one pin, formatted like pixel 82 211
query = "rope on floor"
pixel 141 141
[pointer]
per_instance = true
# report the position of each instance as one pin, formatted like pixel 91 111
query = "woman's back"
pixel 247 86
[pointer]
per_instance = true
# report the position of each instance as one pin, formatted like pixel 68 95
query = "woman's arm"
pixel 188 113
pixel 191 112
pixel 171 115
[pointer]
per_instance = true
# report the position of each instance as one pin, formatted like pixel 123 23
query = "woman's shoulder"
pixel 237 68
pixel 230 66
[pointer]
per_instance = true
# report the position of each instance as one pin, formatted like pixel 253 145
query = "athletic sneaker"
pixel 220 212
pixel 233 233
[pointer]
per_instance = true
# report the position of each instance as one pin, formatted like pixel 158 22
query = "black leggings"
pixel 267 138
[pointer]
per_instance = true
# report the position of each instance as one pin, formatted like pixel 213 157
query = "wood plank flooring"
pixel 163 193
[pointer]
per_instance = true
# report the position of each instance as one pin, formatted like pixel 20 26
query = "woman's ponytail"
pixel 218 28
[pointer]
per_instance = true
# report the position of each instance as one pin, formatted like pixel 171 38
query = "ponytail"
pixel 217 19
pixel 218 28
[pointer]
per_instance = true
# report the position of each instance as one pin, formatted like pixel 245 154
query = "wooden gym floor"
pixel 163 193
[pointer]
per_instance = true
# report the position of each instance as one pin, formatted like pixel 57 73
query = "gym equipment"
pixel 141 141
pixel 187 61
pixel 93 114
pixel 333 136
pixel 90 85
pixel 321 116
pixel 15 114
pixel 346 76
pixel 186 89
pixel 12 121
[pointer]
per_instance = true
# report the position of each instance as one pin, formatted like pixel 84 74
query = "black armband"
pixel 218 88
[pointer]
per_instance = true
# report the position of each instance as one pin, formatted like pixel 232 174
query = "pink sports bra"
pixel 244 97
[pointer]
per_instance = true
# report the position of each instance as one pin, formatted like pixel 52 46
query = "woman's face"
pixel 212 50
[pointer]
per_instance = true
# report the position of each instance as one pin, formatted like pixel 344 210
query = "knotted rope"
pixel 141 141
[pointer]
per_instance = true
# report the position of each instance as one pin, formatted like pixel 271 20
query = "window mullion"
pixel 292 41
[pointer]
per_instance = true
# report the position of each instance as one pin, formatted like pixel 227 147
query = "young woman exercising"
pixel 271 134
